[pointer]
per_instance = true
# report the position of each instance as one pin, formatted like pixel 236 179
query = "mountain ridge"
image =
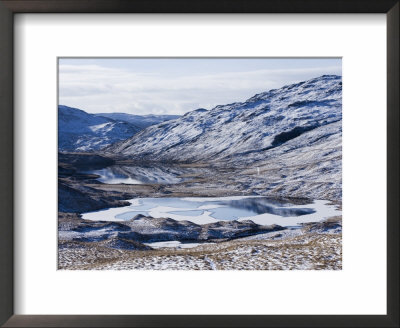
pixel 263 122
pixel 141 121
pixel 81 131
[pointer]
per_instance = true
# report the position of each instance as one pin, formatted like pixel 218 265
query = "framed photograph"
pixel 172 180
pixel 193 165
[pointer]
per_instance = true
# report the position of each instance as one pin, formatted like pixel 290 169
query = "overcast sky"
pixel 176 86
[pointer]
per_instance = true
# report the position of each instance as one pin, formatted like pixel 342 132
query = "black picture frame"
pixel 10 7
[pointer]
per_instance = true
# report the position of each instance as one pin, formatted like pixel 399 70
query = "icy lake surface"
pixel 261 210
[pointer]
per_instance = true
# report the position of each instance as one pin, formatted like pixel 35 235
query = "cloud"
pixel 99 89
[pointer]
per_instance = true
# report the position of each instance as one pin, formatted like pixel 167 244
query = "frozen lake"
pixel 202 210
pixel 131 174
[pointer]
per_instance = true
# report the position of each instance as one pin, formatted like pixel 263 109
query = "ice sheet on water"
pixel 222 208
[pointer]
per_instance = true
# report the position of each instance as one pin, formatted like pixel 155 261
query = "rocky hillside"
pixel 272 123
pixel 88 245
pixel 142 229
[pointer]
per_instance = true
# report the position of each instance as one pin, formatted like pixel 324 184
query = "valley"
pixel 266 174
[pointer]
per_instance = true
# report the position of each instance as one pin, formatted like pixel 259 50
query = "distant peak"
pixel 327 77
pixel 198 110
pixel 65 108
pixel 331 75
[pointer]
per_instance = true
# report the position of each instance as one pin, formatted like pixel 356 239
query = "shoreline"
pixel 308 251
pixel 122 248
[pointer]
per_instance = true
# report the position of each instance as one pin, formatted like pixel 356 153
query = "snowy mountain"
pixel 80 131
pixel 271 124
pixel 138 120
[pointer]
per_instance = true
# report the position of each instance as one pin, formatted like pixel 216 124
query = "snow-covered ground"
pixel 298 252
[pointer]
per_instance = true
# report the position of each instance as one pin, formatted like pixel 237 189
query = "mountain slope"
pixel 138 120
pixel 247 132
pixel 80 131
